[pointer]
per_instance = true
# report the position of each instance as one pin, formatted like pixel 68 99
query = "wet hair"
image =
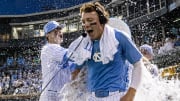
pixel 97 7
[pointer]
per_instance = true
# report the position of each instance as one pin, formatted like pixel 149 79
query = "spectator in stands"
pixel 18 87
pixel 169 45
pixel 6 83
pixel 20 61
pixel 177 42
pixel 147 51
pixel 148 54
pixel 1 86
pixel 21 85
pixel 52 61
pixel 10 61
pixel 105 51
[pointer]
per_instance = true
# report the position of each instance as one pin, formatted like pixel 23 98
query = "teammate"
pixel 52 62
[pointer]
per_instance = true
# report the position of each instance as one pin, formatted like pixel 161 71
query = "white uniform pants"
pixel 113 96
pixel 50 96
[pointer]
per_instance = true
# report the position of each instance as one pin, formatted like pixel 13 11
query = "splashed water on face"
pixel 151 89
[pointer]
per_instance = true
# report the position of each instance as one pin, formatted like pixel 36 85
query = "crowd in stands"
pixel 22 61
pixel 168 45
pixel 166 50
pixel 165 45
pixel 21 74
pixel 27 78
pixel 28 42
pixel 20 82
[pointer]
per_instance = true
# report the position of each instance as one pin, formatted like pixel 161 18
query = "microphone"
pixel 84 34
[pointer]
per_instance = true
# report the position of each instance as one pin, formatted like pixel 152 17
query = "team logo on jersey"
pixel 97 57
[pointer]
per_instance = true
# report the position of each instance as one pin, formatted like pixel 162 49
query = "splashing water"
pixel 158 89
pixel 76 89
pixel 151 89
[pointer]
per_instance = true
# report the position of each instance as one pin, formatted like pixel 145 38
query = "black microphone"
pixel 84 34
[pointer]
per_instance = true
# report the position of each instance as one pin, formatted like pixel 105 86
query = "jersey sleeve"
pixel 128 48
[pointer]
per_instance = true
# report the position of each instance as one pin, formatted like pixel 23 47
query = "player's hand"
pixel 129 96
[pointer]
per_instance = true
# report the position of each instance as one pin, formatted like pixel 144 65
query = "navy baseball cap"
pixel 51 25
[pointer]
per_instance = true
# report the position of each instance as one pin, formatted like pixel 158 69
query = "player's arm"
pixel 136 80
pixel 75 73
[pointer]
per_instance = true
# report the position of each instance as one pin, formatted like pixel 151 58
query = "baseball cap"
pixel 148 48
pixel 51 25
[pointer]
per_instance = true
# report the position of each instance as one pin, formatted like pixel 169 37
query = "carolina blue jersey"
pixel 114 75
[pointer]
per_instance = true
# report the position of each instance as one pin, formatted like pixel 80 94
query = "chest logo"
pixel 97 57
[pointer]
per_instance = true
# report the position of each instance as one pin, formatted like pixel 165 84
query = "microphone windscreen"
pixel 84 34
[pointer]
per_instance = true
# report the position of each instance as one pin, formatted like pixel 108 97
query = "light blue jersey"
pixel 114 75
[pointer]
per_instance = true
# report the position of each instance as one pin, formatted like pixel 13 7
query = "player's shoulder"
pixel 121 35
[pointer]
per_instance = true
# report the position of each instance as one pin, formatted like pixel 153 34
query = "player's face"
pixel 91 24
pixel 55 36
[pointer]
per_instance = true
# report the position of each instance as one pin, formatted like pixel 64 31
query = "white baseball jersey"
pixel 51 61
